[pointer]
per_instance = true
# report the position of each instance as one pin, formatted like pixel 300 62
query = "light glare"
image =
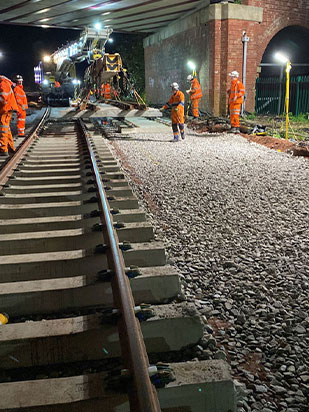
pixel 191 65
pixel 42 11
pixel 281 57
pixel 46 59
pixel 98 26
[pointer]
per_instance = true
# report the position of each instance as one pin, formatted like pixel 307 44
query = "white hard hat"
pixel 234 74
pixel 18 78
pixel 190 77
pixel 175 86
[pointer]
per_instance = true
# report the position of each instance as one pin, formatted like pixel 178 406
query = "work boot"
pixel 182 136
pixel 233 130
pixel 237 130
pixel 4 154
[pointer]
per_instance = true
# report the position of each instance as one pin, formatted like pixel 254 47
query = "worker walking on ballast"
pixel 22 103
pixel 7 106
pixel 195 94
pixel 177 103
pixel 236 97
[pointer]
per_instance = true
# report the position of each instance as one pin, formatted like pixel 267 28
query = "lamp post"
pixel 284 59
pixel 244 40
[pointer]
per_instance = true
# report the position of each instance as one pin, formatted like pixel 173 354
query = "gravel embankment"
pixel 234 218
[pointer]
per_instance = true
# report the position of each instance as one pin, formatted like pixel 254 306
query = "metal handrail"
pixel 143 398
pixel 9 167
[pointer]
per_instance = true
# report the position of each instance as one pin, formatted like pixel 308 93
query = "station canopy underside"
pixel 122 15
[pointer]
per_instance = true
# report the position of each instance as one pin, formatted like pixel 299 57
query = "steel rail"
pixel 143 396
pixel 9 167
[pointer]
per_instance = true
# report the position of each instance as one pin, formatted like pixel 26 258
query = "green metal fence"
pixel 270 95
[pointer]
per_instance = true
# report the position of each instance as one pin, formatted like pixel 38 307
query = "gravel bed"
pixel 234 218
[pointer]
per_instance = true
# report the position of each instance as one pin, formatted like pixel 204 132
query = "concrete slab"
pixel 62 196
pixel 145 254
pixel 85 338
pixel 133 215
pixel 40 224
pixel 49 241
pixel 60 208
pixel 68 239
pixel 14 268
pixel 136 232
pixel 106 110
pixel 154 285
pixel 145 126
pixel 204 386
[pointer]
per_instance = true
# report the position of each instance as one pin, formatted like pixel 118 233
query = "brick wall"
pixel 166 62
pixel 217 49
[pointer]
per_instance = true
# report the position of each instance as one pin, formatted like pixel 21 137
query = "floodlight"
pixel 191 65
pixel 281 57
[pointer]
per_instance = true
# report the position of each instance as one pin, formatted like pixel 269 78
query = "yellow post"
pixel 287 97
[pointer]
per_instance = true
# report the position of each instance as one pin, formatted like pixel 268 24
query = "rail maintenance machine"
pixel 56 74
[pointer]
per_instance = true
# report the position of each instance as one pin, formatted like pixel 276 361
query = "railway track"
pixel 87 288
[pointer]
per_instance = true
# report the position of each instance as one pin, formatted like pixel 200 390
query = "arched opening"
pixel 293 42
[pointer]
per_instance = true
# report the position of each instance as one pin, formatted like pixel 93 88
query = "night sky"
pixel 23 48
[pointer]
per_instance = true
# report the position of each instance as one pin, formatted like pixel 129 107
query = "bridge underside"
pixel 212 38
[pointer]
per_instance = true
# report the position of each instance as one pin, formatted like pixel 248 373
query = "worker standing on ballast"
pixel 177 103
pixel 236 97
pixel 195 93
pixel 7 106
pixel 22 104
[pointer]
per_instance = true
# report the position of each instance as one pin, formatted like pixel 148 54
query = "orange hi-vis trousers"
pixel 235 113
pixel 194 107
pixel 6 138
pixel 21 121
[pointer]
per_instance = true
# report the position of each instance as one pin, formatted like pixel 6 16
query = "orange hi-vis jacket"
pixel 21 97
pixel 106 91
pixel 196 91
pixel 7 98
pixel 177 100
pixel 236 92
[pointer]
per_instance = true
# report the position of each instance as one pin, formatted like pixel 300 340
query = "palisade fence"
pixel 270 95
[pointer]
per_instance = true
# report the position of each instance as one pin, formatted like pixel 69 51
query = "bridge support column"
pixel 212 38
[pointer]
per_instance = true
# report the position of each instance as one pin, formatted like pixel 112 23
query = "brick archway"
pixel 276 17
pixel 212 37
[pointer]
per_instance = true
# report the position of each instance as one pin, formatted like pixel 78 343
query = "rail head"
pixel 144 397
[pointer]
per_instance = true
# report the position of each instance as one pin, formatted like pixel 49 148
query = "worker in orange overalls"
pixel 236 97
pixel 22 104
pixel 195 94
pixel 177 103
pixel 106 90
pixel 7 106
pixel 57 84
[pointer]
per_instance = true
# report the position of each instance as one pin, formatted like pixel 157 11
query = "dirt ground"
pixel 281 145
pixel 270 142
